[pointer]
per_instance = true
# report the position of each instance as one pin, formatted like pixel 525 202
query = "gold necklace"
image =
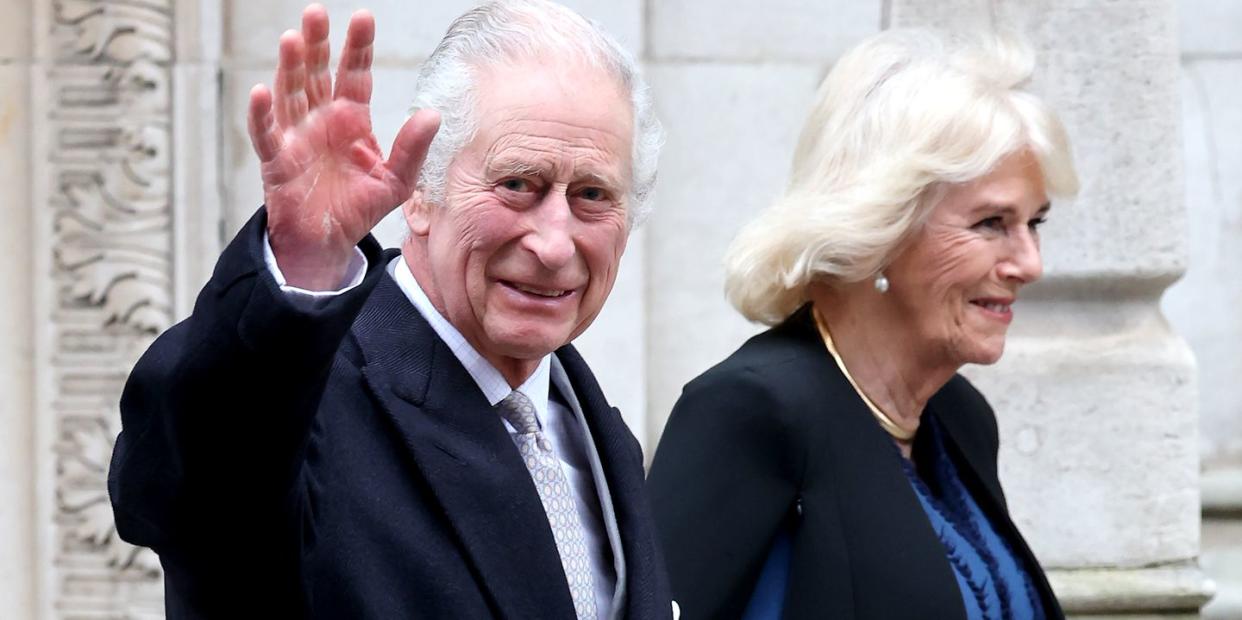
pixel 887 423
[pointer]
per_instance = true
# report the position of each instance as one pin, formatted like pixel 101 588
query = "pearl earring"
pixel 881 283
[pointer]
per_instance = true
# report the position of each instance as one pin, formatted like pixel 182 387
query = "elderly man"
pixel 343 432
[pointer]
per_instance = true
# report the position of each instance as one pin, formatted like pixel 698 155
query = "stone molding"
pixel 104 229
pixel 1222 490
pixel 1168 589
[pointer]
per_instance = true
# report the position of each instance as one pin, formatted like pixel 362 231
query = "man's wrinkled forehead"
pixel 543 78
pixel 540 118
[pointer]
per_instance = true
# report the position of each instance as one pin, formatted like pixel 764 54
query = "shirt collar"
pixel 493 384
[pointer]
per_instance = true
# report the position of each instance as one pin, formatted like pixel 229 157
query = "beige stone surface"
pixel 776 30
pixel 1222 560
pixel 196 183
pixel 198 26
pixel 1147 592
pixel 1203 306
pixel 1098 452
pixel 405 32
pixel 17 552
pixel 1111 70
pixel 1210 27
pixel 732 128
pixel 15 31
pixel 239 173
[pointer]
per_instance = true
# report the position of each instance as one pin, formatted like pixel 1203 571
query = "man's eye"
pixel 593 194
pixel 517 185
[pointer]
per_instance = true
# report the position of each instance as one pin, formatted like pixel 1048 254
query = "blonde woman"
pixel 836 465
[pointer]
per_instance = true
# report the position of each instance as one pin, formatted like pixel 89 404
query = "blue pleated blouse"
pixel 995 585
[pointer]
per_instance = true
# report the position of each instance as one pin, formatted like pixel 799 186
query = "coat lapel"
pixel 967 444
pixel 646 588
pixel 562 387
pixel 888 523
pixel 978 477
pixel 458 445
pixel 898 564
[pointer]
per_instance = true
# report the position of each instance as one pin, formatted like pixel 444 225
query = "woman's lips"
pixel 996 309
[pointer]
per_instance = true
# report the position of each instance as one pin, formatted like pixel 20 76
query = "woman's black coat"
pixel 775 437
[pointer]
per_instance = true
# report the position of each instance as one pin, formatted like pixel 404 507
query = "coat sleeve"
pixel 216 414
pixel 723 482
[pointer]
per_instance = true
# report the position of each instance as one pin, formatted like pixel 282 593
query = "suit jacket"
pixel 338 461
pixel 775 439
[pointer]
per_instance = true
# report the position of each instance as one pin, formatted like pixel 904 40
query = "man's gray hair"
pixel 509 30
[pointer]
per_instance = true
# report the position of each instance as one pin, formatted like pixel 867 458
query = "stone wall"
pixel 1096 397
pixel 103 264
pixel 17 484
pixel 1203 306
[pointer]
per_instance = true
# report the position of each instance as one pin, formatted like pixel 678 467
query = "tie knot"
pixel 520 412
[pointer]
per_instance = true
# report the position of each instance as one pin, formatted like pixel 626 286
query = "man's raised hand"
pixel 325 180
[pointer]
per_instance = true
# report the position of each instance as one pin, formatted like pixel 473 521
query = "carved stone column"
pixel 103 216
pixel 113 203
pixel 1096 395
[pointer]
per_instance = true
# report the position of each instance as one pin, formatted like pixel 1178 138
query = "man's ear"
pixel 417 214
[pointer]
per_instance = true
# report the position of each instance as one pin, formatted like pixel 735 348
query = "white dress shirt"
pixel 559 424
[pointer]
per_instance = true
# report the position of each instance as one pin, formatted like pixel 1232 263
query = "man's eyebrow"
pixel 604 180
pixel 509 167
pixel 500 168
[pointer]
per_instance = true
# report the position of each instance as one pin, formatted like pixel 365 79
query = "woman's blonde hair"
pixel 899 117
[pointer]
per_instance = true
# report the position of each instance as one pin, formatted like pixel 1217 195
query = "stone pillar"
pixel 17 496
pixel 1096 395
pixel 122 165
pixel 198 213
pixel 1203 306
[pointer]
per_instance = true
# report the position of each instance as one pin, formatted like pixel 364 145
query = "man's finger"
pixel 318 52
pixel 290 88
pixel 264 136
pixel 353 74
pixel 409 148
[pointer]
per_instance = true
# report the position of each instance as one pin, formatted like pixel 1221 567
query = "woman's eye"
pixel 1036 223
pixel 995 222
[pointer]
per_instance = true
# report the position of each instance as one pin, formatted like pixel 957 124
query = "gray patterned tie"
pixel 558 502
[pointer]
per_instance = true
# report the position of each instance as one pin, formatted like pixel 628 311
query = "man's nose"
pixel 1024 262
pixel 550 240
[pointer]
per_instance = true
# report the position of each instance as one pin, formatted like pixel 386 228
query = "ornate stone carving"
pixel 108 118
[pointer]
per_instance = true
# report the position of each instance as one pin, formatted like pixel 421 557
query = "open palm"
pixel 325 180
